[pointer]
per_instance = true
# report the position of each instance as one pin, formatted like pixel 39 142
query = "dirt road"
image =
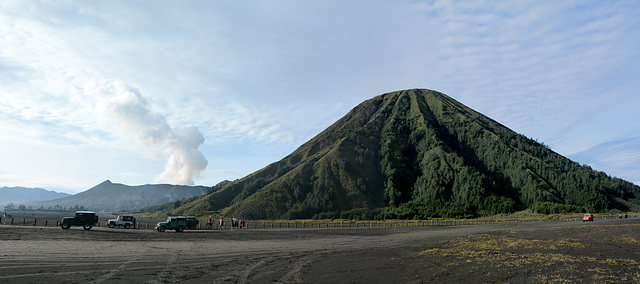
pixel 320 255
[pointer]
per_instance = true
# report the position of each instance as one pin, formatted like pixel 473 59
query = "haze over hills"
pixel 416 154
pixel 24 194
pixel 108 196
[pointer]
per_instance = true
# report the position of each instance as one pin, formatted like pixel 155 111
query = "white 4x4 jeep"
pixel 125 221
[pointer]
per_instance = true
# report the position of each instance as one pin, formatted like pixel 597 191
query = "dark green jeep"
pixel 178 223
pixel 86 219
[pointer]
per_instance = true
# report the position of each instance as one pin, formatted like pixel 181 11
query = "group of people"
pixel 234 223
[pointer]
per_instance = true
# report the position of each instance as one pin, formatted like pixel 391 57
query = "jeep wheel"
pixel 127 226
pixel 65 225
pixel 179 229
pixel 87 226
pixel 112 225
pixel 161 229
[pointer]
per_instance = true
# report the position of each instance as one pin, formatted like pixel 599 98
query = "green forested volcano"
pixel 416 154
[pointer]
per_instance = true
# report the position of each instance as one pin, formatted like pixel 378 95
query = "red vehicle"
pixel 587 217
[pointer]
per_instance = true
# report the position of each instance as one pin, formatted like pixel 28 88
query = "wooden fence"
pixel 31 222
pixel 149 225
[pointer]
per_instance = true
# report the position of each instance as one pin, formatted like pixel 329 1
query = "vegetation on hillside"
pixel 416 154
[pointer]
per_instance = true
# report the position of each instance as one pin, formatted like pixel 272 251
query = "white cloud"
pixel 114 103
pixel 618 157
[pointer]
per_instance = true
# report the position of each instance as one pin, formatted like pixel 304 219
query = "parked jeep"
pixel 125 221
pixel 587 217
pixel 178 223
pixel 86 219
pixel 192 222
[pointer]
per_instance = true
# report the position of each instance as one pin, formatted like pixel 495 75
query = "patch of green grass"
pixel 509 253
pixel 491 242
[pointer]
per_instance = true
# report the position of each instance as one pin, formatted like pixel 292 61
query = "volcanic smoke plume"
pixel 116 103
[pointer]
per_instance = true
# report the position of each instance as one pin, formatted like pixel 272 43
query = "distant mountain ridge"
pixel 23 194
pixel 108 196
pixel 416 154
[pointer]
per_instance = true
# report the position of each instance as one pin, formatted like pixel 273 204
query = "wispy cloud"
pixel 617 155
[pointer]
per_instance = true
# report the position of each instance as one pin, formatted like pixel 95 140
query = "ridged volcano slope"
pixel 416 153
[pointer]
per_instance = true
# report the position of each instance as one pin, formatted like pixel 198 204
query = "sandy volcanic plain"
pixel 605 251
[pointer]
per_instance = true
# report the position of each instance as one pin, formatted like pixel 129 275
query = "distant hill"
pixel 416 154
pixel 108 196
pixel 24 194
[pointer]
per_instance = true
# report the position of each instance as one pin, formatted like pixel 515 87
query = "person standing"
pixel 221 222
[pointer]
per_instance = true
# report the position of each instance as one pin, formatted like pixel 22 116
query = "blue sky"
pixel 197 92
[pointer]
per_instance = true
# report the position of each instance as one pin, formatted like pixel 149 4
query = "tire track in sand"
pixel 161 278
pixel 248 270
pixel 114 271
pixel 294 276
